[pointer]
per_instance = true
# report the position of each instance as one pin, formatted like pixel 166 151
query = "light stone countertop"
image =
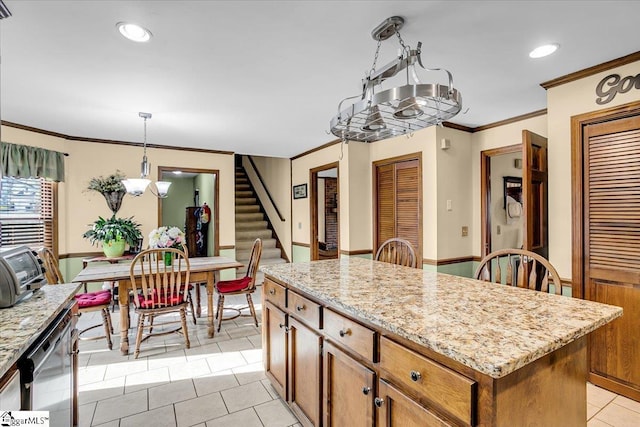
pixel 494 329
pixel 23 323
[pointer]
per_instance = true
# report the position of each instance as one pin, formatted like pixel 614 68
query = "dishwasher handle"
pixel 27 369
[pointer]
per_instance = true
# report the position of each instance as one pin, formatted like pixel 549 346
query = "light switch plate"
pixel 465 231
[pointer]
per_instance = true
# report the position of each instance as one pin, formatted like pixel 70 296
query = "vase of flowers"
pixel 167 237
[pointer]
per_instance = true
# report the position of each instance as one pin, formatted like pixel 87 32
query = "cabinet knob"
pixel 366 390
pixel 272 291
pixel 415 375
pixel 344 332
pixel 378 402
pixel 282 325
pixel 300 307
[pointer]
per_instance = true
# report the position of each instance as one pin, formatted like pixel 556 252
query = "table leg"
pixel 198 306
pixel 123 300
pixel 211 278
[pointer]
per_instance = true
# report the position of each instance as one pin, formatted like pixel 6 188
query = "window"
pixel 27 212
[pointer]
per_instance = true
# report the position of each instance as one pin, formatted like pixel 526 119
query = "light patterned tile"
pixel 256 340
pixel 275 414
pixel 202 351
pixel 96 391
pixel 245 418
pixel 225 361
pixel 592 410
pixel 252 356
pixel 85 414
pixel 245 396
pixel 171 393
pixel 188 370
pixel 123 369
pixel 249 373
pixel 243 331
pixel 269 387
pixel 618 416
pixel 598 396
pixel 167 359
pixel 214 382
pixel 200 409
pixel 114 423
pixel 121 406
pixel 91 374
pixel 627 403
pixel 146 379
pixel 597 423
pixel 237 344
pixel 159 417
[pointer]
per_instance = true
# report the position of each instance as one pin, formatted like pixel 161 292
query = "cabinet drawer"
pixel 350 334
pixel 443 388
pixel 304 309
pixel 274 293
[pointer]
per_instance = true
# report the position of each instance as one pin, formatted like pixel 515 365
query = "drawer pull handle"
pixel 378 402
pixel 282 325
pixel 300 307
pixel 415 375
pixel 366 390
pixel 344 332
pixel 272 291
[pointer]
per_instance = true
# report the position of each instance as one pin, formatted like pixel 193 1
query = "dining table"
pixel 201 270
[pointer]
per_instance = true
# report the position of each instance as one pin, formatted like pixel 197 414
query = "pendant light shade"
pixel 137 186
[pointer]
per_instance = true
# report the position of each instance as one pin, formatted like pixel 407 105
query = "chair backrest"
pixel 157 284
pixel 51 270
pixel 254 260
pixel 397 251
pixel 530 271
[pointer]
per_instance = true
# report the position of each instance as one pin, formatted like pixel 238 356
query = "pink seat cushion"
pixel 153 300
pixel 93 299
pixel 225 286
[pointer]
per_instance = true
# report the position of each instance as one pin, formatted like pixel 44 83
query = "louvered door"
pixel 611 198
pixel 398 203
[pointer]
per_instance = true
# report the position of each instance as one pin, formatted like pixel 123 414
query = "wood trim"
pixel 304 245
pixel 80 255
pixel 227 247
pixel 216 200
pixel 485 193
pixel 448 261
pixel 618 62
pixel 313 150
pixel 578 123
pixel 458 127
pixel 357 252
pixel 313 208
pixel 110 141
pixel 511 120
pixel 429 261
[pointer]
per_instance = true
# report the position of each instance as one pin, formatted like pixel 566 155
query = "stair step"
pixel 244 254
pixel 249 216
pixel 253 234
pixel 241 186
pixel 243 209
pixel 251 225
pixel 247 244
pixel 244 193
pixel 246 201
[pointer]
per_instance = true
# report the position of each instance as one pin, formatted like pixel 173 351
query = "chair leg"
pixel 220 313
pixel 141 317
pixel 193 312
pixel 252 309
pixel 108 330
pixel 185 332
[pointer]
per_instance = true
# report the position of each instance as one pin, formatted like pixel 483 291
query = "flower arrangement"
pixel 166 237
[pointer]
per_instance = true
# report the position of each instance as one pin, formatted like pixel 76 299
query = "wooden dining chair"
pixel 397 251
pixel 244 286
pixel 87 301
pixel 158 290
pixel 524 269
pixel 191 287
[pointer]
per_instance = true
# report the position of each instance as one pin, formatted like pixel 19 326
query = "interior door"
pixel 611 247
pixel 534 193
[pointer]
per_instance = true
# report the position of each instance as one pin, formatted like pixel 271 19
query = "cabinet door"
pixel 275 347
pixel 305 367
pixel 348 390
pixel 397 410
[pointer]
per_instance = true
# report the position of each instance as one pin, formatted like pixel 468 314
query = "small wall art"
pixel 300 191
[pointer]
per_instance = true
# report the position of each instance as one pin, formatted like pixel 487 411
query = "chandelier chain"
pixel 404 46
pixel 375 59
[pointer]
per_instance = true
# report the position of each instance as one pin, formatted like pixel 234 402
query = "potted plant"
pixel 111 188
pixel 114 234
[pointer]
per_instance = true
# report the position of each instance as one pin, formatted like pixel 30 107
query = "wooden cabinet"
pixel 305 372
pixel 274 336
pixel 349 390
pixel 395 409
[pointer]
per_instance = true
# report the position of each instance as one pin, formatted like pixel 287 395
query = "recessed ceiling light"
pixel 177 172
pixel 134 32
pixel 544 50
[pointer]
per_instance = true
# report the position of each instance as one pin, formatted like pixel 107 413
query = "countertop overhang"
pixel 494 329
pixel 23 323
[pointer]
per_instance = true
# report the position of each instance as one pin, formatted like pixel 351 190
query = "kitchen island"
pixel 355 340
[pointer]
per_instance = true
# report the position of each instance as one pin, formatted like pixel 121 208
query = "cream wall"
pixel 276 173
pixel 563 102
pixel 79 207
pixel 355 205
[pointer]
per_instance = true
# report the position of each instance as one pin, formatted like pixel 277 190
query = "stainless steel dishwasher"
pixel 46 372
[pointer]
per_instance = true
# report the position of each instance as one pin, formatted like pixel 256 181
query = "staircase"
pixel 251 224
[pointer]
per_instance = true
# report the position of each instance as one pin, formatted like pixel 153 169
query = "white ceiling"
pixel 265 77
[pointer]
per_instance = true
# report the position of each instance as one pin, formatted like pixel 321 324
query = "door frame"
pixel 313 209
pixel 216 200
pixel 578 123
pixel 485 192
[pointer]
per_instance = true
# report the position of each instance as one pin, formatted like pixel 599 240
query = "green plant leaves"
pixel 105 230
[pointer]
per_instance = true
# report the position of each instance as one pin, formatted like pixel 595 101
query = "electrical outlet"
pixel 465 231
pixel 498 230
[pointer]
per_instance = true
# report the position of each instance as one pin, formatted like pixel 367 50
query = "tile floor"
pixel 218 382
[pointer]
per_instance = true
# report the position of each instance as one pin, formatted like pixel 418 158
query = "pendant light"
pixel 137 186
pixel 399 110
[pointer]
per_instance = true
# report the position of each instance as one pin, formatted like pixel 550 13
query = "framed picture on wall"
pixel 300 191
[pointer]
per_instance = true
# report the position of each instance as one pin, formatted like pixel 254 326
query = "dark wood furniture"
pixel 111 260
pixel 524 269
